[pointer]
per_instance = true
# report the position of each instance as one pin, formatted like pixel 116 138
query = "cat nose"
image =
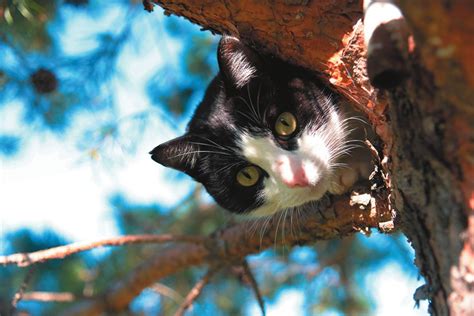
pixel 292 174
pixel 299 179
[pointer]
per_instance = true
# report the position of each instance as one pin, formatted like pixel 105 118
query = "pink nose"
pixel 292 173
pixel 299 179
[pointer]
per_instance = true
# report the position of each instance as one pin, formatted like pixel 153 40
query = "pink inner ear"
pixel 292 172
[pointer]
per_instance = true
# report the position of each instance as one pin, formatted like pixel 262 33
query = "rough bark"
pixel 433 162
pixel 428 131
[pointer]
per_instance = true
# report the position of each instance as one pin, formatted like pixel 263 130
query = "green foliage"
pixel 24 22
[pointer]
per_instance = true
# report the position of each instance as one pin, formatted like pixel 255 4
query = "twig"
pixel 167 292
pixel 20 293
pixel 196 291
pixel 50 296
pixel 253 283
pixel 26 259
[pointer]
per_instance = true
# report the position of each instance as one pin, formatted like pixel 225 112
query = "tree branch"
pixel 196 291
pixel 333 218
pixel 254 285
pixel 49 296
pixel 21 291
pixel 26 259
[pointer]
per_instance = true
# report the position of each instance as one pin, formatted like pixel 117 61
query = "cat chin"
pixel 290 200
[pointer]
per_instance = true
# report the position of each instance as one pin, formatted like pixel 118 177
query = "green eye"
pixel 285 124
pixel 248 176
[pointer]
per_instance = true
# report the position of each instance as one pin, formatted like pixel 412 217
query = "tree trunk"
pixel 427 130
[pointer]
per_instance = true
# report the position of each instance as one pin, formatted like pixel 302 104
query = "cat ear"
pixel 180 153
pixel 237 62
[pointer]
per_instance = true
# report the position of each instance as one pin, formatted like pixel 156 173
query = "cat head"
pixel 265 137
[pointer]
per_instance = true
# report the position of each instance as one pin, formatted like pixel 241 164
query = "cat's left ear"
pixel 237 62
pixel 181 153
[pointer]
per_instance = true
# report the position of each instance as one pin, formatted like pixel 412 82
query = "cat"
pixel 267 136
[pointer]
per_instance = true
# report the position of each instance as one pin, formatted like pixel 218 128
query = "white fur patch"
pixel 316 154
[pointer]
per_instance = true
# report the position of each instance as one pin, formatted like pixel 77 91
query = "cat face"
pixel 265 137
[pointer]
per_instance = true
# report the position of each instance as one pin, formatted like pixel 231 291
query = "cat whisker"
pixel 342 152
pixel 345 151
pixel 227 167
pixel 249 117
pixel 277 226
pixel 291 222
pixel 212 146
pixel 360 142
pixel 359 119
pixel 253 226
pixel 264 228
pixel 255 111
pixel 232 150
pixel 298 218
pixel 253 114
pixel 200 152
pixel 339 165
pixel 265 123
pixel 258 100
pixel 283 227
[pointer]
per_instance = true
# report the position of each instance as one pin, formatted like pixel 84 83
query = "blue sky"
pixel 51 183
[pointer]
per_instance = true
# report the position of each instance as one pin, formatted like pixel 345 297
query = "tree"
pixel 426 128
pixel 424 123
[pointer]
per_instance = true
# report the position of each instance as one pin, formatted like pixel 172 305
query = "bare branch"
pixel 20 293
pixel 50 296
pixel 167 292
pixel 196 291
pixel 253 283
pixel 26 259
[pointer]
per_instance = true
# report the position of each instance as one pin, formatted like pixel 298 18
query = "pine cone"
pixel 44 81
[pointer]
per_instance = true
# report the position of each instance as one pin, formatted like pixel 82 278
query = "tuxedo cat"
pixel 267 136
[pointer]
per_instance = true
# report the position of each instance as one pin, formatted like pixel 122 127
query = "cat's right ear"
pixel 238 63
pixel 181 153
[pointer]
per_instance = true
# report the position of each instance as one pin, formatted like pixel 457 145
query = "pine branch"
pixel 253 283
pixel 166 291
pixel 40 296
pixel 26 259
pixel 196 291
pixel 334 218
pixel 21 291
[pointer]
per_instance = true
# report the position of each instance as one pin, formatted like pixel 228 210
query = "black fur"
pixel 211 140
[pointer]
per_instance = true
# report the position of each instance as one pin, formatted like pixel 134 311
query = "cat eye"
pixel 248 176
pixel 285 124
